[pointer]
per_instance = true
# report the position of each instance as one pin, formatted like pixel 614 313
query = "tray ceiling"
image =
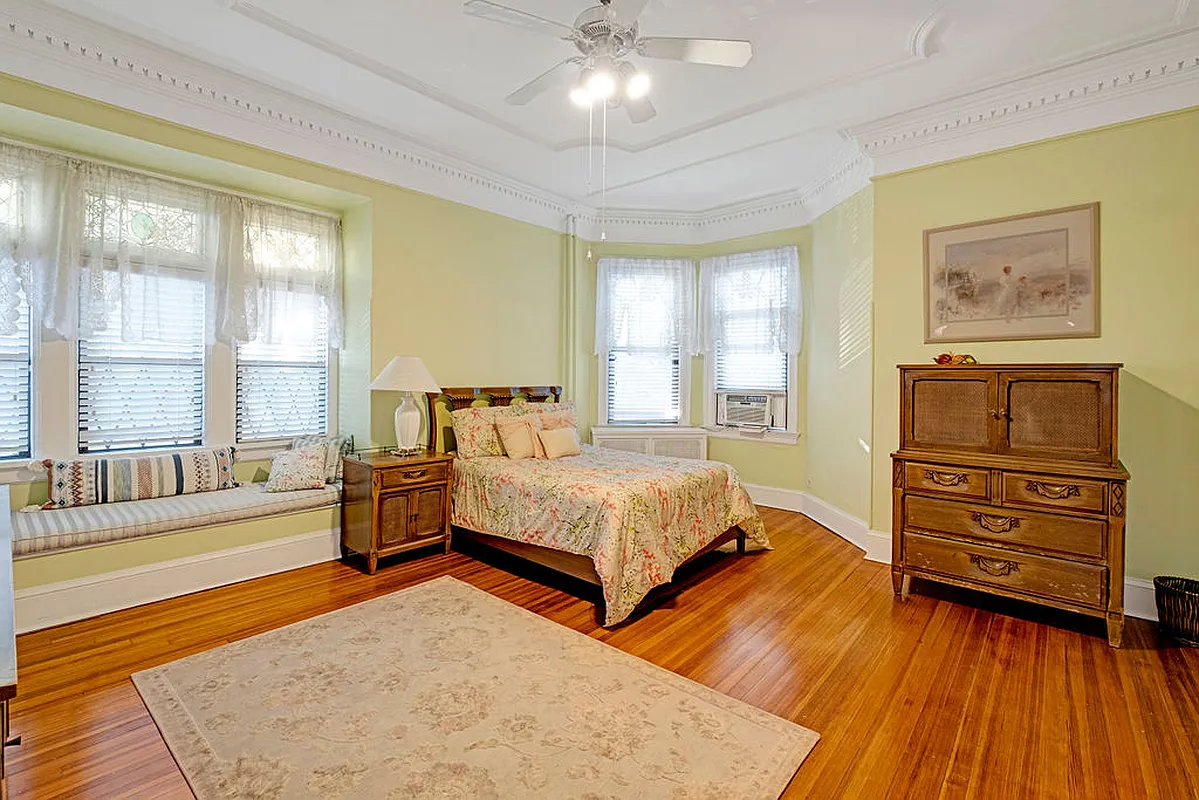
pixel 437 77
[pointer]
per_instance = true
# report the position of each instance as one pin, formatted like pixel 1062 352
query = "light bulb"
pixel 580 96
pixel 637 86
pixel 601 85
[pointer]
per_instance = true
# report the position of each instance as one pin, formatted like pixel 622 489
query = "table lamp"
pixel 406 374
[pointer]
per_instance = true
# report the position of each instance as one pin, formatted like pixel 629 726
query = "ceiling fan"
pixel 605 35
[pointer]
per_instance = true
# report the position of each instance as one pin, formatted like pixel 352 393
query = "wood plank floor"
pixel 936 695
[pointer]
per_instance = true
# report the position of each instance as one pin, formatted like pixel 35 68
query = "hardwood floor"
pixel 914 698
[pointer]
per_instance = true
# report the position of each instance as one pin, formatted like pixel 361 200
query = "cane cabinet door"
pixel 1057 415
pixel 950 410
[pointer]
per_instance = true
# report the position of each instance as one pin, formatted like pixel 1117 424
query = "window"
pixel 282 388
pixel 644 317
pixel 144 393
pixel 15 373
pixel 752 317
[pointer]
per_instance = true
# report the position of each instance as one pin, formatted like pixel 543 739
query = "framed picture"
pixel 1033 276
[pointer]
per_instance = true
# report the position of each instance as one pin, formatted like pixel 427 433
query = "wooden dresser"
pixel 391 504
pixel 1007 481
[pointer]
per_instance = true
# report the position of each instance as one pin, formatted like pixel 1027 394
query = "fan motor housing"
pixel 597 29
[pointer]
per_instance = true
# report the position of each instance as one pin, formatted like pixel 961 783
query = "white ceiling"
pixel 428 72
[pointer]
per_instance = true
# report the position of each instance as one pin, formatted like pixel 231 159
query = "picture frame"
pixel 1028 276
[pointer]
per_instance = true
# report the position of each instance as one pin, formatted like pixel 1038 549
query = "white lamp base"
pixel 408 418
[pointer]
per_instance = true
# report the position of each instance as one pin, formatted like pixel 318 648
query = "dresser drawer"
pixel 410 476
pixel 1072 535
pixel 1054 491
pixel 1067 581
pixel 964 481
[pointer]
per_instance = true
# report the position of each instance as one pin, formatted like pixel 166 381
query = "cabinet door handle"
pixel 995 524
pixel 994 567
pixel 414 474
pixel 1054 491
pixel 947 478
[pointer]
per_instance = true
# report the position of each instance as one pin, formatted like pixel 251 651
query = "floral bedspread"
pixel 637 517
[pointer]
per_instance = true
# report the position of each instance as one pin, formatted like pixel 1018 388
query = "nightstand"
pixel 391 504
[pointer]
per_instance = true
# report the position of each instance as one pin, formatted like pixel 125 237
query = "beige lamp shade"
pixel 405 374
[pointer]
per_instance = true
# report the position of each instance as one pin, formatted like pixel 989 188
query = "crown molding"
pixel 1139 81
pixel 771 213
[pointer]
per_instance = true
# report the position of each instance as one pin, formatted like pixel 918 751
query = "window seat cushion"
pixel 60 529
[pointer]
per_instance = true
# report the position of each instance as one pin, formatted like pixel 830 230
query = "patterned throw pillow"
pixel 474 430
pixel 554 416
pixel 336 447
pixel 303 468
pixel 81 482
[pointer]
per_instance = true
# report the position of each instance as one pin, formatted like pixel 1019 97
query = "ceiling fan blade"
pixel 627 11
pixel 559 75
pixel 641 110
pixel 485 9
pixel 718 52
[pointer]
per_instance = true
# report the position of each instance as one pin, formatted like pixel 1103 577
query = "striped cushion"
pixel 85 482
pixel 70 528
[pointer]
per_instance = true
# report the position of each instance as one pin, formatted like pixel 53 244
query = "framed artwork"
pixel 1032 276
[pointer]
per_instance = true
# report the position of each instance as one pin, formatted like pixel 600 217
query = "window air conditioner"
pixel 740 410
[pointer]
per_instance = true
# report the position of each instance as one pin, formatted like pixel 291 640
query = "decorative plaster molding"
pixel 1136 82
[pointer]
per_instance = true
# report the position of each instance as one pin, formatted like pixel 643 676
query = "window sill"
pixel 261 450
pixel 771 437
pixel 21 471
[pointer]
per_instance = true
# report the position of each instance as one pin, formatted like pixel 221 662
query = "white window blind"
pixel 752 315
pixel 145 393
pixel 645 311
pixel 282 388
pixel 15 375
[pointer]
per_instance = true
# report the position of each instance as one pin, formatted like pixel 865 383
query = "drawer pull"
pixel 991 566
pixel 947 478
pixel 414 474
pixel 1054 491
pixel 996 524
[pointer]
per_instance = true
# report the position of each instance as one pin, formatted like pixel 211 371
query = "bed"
pixel 622 521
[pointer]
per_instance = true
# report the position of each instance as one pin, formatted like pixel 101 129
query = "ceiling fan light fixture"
pixel 580 95
pixel 601 85
pixel 637 86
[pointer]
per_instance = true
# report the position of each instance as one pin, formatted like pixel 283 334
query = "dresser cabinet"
pixel 392 504
pixel 1007 480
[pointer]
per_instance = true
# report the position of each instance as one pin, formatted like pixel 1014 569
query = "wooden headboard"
pixel 441 404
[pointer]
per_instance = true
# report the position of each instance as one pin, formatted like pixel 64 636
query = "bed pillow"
pixel 303 468
pixel 518 437
pixel 85 482
pixel 474 430
pixel 560 442
pixel 554 416
pixel 336 447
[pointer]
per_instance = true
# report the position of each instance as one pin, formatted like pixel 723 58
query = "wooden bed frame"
pixel 441 440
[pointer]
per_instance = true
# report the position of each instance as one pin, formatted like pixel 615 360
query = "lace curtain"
pixel 752 303
pixel 92 248
pixel 644 304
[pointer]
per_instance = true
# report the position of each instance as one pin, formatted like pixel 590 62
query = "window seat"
pixel 40 532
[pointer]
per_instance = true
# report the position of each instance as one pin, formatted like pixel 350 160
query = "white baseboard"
pixel 56 603
pixel 1139 597
pixel 786 499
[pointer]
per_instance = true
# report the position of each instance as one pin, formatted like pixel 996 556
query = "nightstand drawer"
pixel 963 481
pixel 1054 491
pixel 1007 526
pixel 410 476
pixel 1067 581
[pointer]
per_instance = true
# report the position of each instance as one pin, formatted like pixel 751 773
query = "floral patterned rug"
pixel 443 690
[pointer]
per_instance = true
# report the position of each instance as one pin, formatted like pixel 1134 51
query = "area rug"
pixel 443 690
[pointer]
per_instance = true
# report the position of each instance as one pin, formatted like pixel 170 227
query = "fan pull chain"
pixel 604 181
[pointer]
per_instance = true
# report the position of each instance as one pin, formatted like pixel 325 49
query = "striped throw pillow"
pixel 88 482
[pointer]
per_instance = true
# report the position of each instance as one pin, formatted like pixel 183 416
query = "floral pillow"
pixel 474 430
pixel 293 470
pixel 554 416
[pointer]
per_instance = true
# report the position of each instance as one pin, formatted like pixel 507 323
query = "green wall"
pixel 1146 176
pixel 839 365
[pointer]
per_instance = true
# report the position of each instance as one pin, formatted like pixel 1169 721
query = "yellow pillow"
pixel 560 443
pixel 518 437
